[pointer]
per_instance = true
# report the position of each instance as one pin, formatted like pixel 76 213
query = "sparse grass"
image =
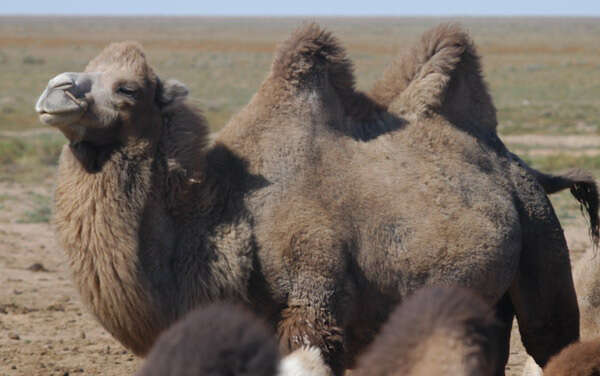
pixel 549 119
pixel 41 209
pixel 5 197
pixel 563 161
pixel 29 158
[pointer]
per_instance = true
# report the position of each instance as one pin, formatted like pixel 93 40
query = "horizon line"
pixel 283 15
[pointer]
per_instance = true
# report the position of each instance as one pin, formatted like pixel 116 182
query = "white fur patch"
pixel 306 361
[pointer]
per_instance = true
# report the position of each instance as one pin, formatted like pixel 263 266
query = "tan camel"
pixel 315 206
pixel 437 331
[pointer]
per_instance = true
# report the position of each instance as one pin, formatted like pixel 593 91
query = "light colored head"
pixel 116 99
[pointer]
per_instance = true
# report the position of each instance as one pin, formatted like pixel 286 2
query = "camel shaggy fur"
pixel 437 331
pixel 315 206
pixel 218 340
pixel 579 359
pixel 226 339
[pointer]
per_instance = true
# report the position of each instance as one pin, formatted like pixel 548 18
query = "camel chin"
pixel 60 120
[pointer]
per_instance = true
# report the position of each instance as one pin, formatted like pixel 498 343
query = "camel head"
pixel 117 99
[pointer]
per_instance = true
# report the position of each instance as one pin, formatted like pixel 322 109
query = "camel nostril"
pixel 64 86
pixel 63 81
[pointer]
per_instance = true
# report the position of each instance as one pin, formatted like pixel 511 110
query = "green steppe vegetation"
pixel 544 75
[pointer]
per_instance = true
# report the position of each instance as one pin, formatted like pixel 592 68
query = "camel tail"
pixel 585 190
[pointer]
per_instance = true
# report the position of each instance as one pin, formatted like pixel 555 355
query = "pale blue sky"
pixel 304 7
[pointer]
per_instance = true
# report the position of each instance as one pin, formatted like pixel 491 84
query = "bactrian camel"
pixel 317 206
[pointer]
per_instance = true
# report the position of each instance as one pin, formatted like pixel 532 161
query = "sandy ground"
pixel 45 330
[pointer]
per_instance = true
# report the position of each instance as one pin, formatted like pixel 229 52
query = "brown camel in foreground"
pixel 216 340
pixel 316 206
pixel 224 339
pixel 436 331
pixel 578 359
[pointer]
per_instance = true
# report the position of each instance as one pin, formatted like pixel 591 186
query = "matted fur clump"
pixel 437 331
pixel 218 340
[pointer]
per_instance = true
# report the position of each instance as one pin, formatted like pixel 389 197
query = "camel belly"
pixel 476 246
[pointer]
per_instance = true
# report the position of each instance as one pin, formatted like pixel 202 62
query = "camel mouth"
pixel 56 119
pixel 57 106
pixel 63 100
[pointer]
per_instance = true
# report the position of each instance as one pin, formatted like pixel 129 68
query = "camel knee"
pixel 307 326
pixel 306 361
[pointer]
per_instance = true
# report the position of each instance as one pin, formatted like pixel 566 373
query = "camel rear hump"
pixel 440 74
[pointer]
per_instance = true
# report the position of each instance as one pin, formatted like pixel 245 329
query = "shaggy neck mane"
pixel 98 216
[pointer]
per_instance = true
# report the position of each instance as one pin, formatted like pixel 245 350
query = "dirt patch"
pixel 44 329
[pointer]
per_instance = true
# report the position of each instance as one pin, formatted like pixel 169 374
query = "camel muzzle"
pixel 63 101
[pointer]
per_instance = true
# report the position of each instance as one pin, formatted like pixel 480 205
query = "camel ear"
pixel 170 94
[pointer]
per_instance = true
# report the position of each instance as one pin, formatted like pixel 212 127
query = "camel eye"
pixel 128 91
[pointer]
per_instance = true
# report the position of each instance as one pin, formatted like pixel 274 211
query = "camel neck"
pixel 98 217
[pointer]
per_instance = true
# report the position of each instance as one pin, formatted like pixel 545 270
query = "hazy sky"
pixel 304 7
